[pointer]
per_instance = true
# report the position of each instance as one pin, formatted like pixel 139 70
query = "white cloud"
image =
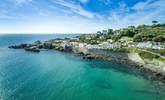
pixel 144 13
pixel 64 16
pixel 141 5
pixel 60 24
pixel 75 8
pixel 150 4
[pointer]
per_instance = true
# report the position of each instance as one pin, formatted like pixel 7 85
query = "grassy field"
pixel 145 54
pixel 126 38
pixel 56 44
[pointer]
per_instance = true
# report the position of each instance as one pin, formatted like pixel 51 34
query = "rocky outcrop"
pixel 32 49
pixel 21 46
pixel 35 47
pixel 59 48
pixel 47 45
pixel 136 58
pixel 155 65
pixel 68 48
pixel 38 45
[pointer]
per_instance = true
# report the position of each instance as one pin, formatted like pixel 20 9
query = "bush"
pixel 148 55
pixel 137 38
pixel 159 38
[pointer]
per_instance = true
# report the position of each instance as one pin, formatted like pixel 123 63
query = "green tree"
pixel 159 38
pixel 99 32
pixel 110 31
pixel 137 38
pixel 154 22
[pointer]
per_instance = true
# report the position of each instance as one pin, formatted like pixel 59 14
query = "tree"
pixel 110 31
pixel 137 38
pixel 98 32
pixel 142 26
pixel 104 31
pixel 131 27
pixel 159 38
pixel 154 22
pixel 130 33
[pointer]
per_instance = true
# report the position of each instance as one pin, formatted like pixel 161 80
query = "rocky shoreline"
pixel 79 50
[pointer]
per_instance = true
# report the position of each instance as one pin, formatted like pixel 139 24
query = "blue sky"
pixel 76 16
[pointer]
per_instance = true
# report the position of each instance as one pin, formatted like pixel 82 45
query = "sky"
pixel 76 16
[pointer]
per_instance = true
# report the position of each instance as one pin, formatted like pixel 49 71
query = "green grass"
pixel 56 44
pixel 126 38
pixel 161 52
pixel 163 43
pixel 148 55
pixel 144 54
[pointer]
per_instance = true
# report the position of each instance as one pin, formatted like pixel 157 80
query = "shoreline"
pixel 78 49
pixel 147 73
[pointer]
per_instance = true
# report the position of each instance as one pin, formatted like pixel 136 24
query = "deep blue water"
pixel 53 75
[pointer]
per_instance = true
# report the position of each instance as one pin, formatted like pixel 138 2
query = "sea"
pixel 54 75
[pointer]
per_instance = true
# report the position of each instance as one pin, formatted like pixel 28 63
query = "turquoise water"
pixel 53 75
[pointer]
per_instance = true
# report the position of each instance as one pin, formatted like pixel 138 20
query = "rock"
pixel 89 56
pixel 80 54
pixel 68 48
pixel 37 42
pixel 21 46
pixel 14 47
pixel 158 74
pixel 163 78
pixel 59 48
pixel 47 45
pixel 40 46
pixel 33 49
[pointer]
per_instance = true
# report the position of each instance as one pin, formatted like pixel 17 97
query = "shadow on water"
pixel 116 67
pixel 129 70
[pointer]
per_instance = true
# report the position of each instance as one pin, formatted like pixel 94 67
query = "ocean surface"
pixel 53 75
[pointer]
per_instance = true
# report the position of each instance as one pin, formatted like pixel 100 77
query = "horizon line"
pixel 21 33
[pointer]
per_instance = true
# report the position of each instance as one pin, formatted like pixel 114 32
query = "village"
pixel 109 44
